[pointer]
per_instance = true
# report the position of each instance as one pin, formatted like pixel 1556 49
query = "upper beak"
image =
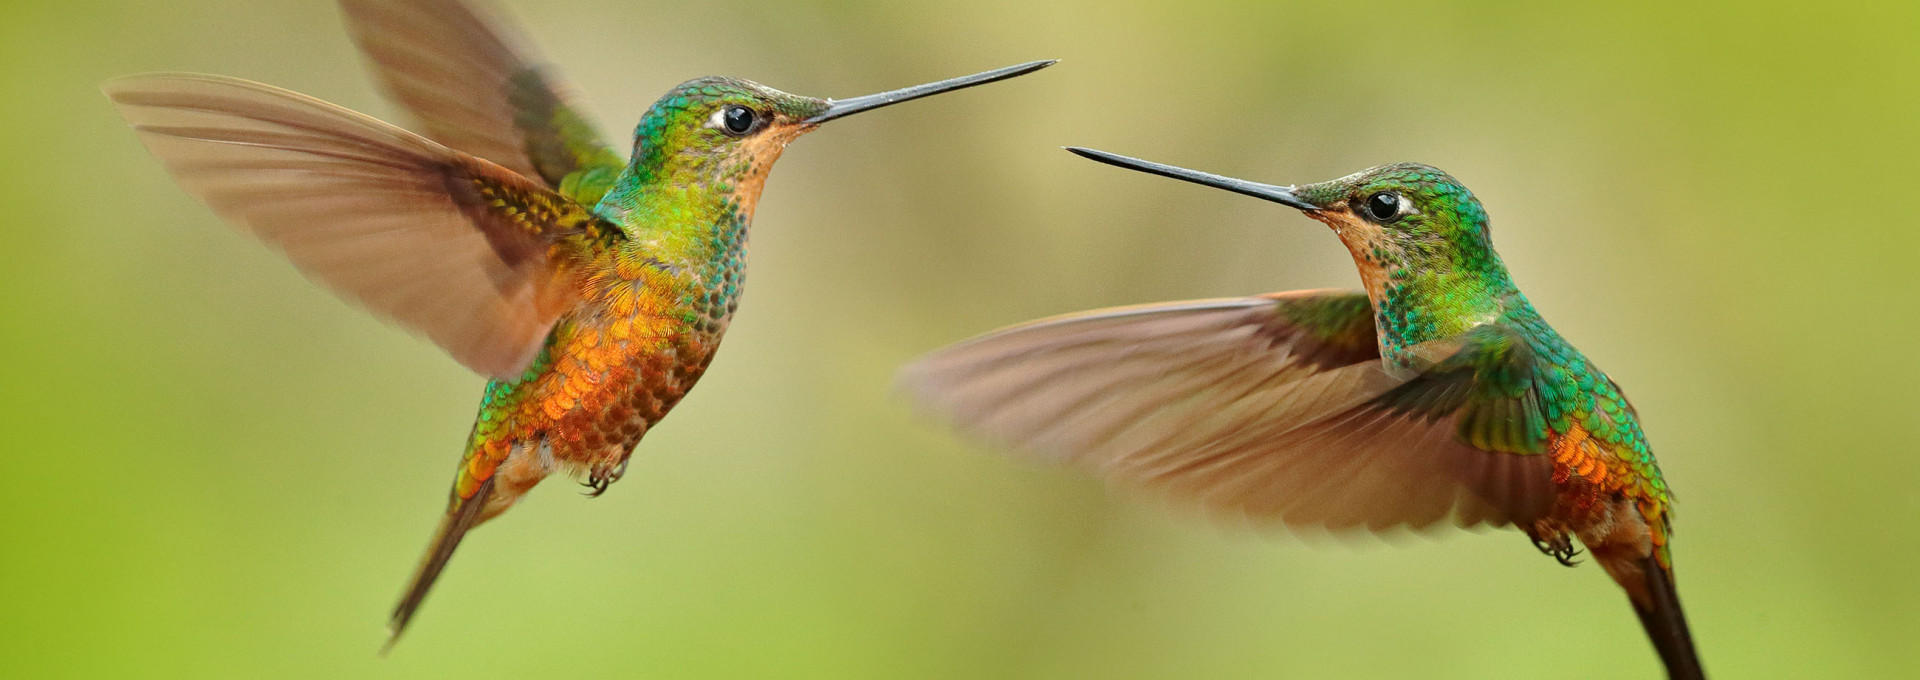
pixel 840 108
pixel 1278 194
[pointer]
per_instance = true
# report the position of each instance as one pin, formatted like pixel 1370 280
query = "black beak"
pixel 1278 194
pixel 841 108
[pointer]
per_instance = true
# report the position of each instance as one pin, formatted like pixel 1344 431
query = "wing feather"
pixel 1275 408
pixel 463 251
pixel 476 83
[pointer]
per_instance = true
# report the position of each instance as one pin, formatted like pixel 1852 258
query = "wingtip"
pixel 114 87
pixel 909 381
pixel 123 89
pixel 162 75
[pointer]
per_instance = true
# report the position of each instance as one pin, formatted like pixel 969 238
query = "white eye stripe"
pixel 718 120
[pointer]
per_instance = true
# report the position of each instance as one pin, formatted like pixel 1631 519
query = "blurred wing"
pixel 1276 408
pixel 450 246
pixel 471 78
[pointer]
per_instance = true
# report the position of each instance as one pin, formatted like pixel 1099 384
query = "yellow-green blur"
pixel 215 469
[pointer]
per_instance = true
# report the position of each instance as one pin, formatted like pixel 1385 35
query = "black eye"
pixel 1383 206
pixel 737 119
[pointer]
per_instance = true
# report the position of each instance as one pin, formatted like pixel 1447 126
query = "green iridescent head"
pixel 1407 202
pixel 715 117
pixel 736 128
pixel 1390 217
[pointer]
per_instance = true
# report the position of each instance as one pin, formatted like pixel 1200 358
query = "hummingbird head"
pixel 719 129
pixel 1402 215
pixel 1418 237
pixel 730 131
pixel 1391 217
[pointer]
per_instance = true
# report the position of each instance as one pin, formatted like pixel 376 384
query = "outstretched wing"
pixel 463 251
pixel 476 84
pixel 1276 408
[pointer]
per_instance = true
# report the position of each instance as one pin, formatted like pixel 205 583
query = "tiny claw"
pixel 1559 547
pixel 600 479
pixel 596 484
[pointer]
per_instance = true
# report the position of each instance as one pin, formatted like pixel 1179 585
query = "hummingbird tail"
pixel 454 527
pixel 1658 604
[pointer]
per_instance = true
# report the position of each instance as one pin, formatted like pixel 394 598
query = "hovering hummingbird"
pixel 592 291
pixel 1437 395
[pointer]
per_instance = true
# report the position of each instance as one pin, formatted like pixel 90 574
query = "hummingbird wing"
pixel 1275 408
pixel 465 252
pixel 475 82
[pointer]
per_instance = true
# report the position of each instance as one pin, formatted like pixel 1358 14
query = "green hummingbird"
pixel 591 290
pixel 1438 395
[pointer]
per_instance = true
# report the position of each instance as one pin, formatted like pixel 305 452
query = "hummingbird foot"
pixel 596 484
pixel 599 479
pixel 1559 545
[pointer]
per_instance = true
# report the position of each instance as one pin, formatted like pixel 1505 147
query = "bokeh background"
pixel 213 469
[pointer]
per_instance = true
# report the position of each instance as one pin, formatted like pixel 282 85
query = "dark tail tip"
pixel 452 529
pixel 1666 624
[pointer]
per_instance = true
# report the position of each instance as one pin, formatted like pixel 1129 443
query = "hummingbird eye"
pixel 737 120
pixel 1384 206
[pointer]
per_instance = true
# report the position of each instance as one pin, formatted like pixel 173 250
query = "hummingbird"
pixel 590 289
pixel 1438 395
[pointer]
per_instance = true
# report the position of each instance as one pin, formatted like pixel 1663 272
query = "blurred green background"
pixel 214 469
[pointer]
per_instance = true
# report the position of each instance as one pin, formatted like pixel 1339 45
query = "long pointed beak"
pixel 1278 194
pixel 841 108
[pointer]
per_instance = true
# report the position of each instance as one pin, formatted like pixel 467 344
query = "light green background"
pixel 213 469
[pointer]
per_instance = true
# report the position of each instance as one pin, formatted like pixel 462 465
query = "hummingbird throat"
pixel 692 211
pixel 1422 289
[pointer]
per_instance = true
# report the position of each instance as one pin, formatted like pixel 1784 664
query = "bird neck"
pixel 688 212
pixel 1419 297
